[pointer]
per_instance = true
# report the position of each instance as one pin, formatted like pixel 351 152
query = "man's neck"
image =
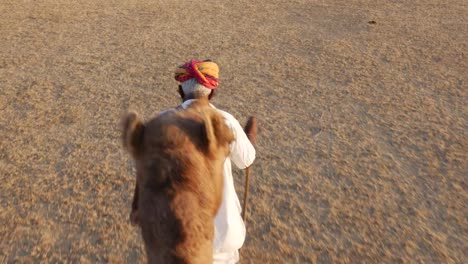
pixel 192 97
pixel 187 102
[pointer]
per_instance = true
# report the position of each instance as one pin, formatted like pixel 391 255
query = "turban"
pixel 206 73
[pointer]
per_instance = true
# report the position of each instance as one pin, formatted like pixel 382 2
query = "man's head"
pixel 198 79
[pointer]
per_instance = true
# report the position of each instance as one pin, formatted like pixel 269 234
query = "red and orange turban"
pixel 206 73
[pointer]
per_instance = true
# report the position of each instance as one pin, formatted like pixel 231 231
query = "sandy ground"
pixel 362 153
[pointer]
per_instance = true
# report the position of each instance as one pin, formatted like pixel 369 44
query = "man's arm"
pixel 242 150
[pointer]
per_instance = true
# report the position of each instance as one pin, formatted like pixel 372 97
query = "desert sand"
pixel 362 147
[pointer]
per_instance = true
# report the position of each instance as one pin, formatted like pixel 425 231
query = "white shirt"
pixel 229 227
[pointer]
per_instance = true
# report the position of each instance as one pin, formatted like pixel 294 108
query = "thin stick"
pixel 246 194
pixel 251 131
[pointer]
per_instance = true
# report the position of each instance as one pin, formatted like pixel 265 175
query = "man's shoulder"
pixel 230 119
pixel 227 116
pixel 166 111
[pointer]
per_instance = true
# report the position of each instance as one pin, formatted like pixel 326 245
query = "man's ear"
pixel 181 92
pixel 212 94
pixel 132 134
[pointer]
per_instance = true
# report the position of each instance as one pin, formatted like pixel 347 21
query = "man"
pixel 200 79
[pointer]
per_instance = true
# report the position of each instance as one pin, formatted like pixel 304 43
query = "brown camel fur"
pixel 179 158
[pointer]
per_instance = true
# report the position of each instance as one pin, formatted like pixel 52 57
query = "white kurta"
pixel 229 227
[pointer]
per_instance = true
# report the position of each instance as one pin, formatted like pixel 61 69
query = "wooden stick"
pixel 251 131
pixel 246 194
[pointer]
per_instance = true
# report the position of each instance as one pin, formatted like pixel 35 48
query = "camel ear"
pixel 217 132
pixel 132 134
pixel 222 132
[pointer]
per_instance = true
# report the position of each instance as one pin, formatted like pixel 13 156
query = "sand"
pixel 362 148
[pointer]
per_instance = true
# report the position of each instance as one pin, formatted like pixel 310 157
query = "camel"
pixel 179 158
